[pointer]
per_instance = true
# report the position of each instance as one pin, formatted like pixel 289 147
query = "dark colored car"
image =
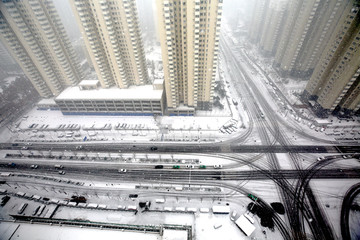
pixel 153 148
pixel 133 195
pixel 11 164
pixel 159 167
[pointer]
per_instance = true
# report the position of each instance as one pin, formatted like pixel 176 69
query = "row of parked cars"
pixel 129 126
pixel 216 166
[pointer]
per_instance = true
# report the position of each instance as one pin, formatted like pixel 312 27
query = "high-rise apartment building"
pixel 147 11
pixel 112 37
pixel 7 63
pixel 334 84
pixel 272 26
pixel 35 37
pixel 258 20
pixel 307 29
pixel 189 36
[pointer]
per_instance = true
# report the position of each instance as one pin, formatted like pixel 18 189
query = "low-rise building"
pixel 93 100
pixel 47 104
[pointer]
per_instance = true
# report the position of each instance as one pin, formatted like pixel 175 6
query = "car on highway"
pixel 153 148
pixel 159 167
pixel 122 170
pixel 320 158
pixel 12 165
pixel 217 166
pixel 62 172
pixel 133 195
pixel 189 166
pixel 202 166
pixel 34 166
pixel 176 166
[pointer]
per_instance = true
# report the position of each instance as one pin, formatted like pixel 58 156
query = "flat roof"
pixel 322 121
pixel 170 234
pixel 244 224
pixel 48 101
pixel 145 92
pixel 88 82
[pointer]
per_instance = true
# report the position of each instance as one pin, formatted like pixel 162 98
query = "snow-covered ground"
pixel 140 128
pixel 329 195
pixel 205 225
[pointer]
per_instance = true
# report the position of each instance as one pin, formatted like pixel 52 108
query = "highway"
pixel 163 147
pixel 137 172
pixel 271 130
pixel 350 195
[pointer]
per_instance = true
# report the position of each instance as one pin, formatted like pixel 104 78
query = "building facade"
pixel 307 29
pixel 189 36
pixel 258 19
pixel 272 29
pixel 7 63
pixel 89 99
pixel 113 40
pixel 35 37
pixel 334 84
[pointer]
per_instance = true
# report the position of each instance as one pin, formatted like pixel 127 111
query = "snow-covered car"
pixel 233 215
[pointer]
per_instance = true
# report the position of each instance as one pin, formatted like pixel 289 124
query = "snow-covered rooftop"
pixel 89 83
pixel 47 101
pixel 145 92
pixel 170 234
pixel 247 227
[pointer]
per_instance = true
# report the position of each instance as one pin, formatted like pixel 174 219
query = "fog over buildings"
pixel 179 119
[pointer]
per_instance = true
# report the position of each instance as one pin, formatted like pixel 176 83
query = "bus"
pixel 221 209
